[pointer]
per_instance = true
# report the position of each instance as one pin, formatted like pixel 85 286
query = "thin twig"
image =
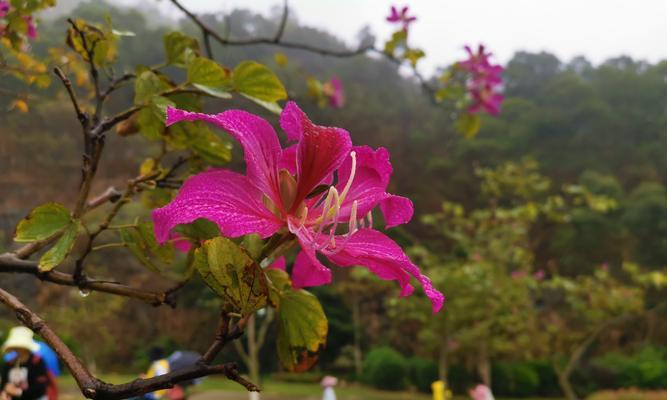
pixel 283 23
pixel 9 263
pixel 93 388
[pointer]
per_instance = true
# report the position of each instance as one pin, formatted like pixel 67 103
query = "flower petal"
pixel 321 149
pixel 386 259
pixel 278 263
pixel 308 270
pixel 224 197
pixel 397 210
pixel 261 148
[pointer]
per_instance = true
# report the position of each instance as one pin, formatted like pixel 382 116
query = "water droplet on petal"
pixel 84 292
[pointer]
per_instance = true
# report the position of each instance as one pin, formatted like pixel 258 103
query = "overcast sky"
pixel 598 29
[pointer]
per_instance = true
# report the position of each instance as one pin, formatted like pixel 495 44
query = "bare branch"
pixel 283 22
pixel 269 41
pixel 80 115
pixel 10 263
pixel 93 388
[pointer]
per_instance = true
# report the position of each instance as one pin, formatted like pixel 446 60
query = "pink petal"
pixel 380 254
pixel 224 197
pixel 279 263
pixel 308 270
pixel 370 180
pixel 397 210
pixel 321 149
pixel 260 144
pixel 288 159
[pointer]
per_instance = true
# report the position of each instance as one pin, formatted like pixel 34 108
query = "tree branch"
pixel 93 388
pixel 10 263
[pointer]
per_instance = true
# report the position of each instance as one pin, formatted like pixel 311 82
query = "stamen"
pixel 330 206
pixel 353 218
pixel 302 220
pixel 353 171
pixel 370 219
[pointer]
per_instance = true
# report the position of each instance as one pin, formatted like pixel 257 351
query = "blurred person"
pixel 159 366
pixel 25 376
pixel 328 383
pixel 50 358
pixel 481 392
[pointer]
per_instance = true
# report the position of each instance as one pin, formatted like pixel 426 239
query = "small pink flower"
pixel 278 193
pixel 539 275
pixel 477 257
pixel 604 267
pixel 401 17
pixel 336 97
pixel 484 82
pixel 4 8
pixel 32 30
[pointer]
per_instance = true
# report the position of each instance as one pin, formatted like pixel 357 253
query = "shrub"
pixel 645 369
pixel 385 368
pixel 422 372
pixel 514 379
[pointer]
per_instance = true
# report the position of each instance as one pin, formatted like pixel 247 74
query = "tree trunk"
pixel 442 360
pixel 484 365
pixel 565 385
pixel 356 324
pixel 253 350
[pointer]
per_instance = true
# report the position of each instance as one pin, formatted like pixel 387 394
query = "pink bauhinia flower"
pixel 4 8
pixel 279 194
pixel 484 82
pixel 334 91
pixel 32 29
pixel 401 17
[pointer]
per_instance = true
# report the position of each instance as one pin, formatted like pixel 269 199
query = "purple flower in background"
pixel 485 80
pixel 32 30
pixel 4 8
pixel 485 97
pixel 293 190
pixel 401 17
pixel 334 91
pixel 539 275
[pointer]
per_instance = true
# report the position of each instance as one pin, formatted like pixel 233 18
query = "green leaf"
pixel 414 55
pixel 232 274
pixel 57 254
pixel 199 230
pixel 134 242
pixel 256 81
pixel 468 124
pixel 278 282
pixel 213 91
pixel 211 148
pixel 208 76
pixel 42 223
pixel 101 43
pixel 151 118
pixel 253 244
pixel 147 85
pixel 269 105
pixel 302 330
pixel 398 39
pixel 180 48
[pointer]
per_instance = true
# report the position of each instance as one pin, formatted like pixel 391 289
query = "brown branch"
pixel 93 388
pixel 111 194
pixel 223 336
pixel 283 23
pixel 268 41
pixel 9 263
pixel 80 115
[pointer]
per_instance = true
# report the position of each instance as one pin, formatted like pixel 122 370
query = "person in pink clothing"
pixel 481 392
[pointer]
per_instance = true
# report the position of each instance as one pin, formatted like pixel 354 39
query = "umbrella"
pixel 184 359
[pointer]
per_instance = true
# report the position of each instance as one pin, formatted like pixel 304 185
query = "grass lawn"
pixel 220 388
